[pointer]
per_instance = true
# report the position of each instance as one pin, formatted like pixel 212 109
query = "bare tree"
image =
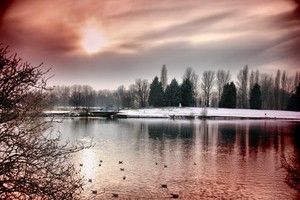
pixel 207 84
pixel 292 166
pixel 142 92
pixel 266 83
pixel 251 80
pixel 283 91
pixel 32 163
pixel 164 77
pixel 76 98
pixel 257 76
pixel 222 78
pixel 242 84
pixel 296 80
pixel 277 90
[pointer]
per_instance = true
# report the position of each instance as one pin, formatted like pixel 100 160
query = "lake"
pixel 195 159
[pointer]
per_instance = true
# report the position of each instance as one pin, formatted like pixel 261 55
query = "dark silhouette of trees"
pixel 156 93
pixel 187 93
pixel 172 95
pixel 294 101
pixel 228 98
pixel 33 165
pixel 255 97
pixel 191 75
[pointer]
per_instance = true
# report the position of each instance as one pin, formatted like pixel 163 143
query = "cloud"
pixel 141 37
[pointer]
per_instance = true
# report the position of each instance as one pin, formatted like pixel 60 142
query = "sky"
pixel 108 43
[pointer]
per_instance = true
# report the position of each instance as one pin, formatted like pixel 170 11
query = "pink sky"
pixel 108 43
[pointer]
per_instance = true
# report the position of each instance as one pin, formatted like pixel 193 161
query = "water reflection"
pixel 198 159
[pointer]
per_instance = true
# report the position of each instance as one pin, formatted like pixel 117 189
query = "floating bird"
pixel 156 163
pixel 124 177
pixel 80 164
pixel 99 165
pixel 115 194
pixel 94 191
pixel 195 163
pixel 164 185
pixel 165 166
pixel 174 196
pixel 101 161
pixel 122 169
pixel 90 180
pixel 121 162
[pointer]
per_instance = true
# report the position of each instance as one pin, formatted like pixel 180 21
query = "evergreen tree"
pixel 228 98
pixel 156 93
pixel 172 95
pixel 187 93
pixel 294 101
pixel 255 97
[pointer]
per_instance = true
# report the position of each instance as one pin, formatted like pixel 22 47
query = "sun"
pixel 92 40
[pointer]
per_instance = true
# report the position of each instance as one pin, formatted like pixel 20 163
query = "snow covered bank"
pixel 191 112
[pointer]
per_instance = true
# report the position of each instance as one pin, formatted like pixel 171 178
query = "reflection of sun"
pixel 93 40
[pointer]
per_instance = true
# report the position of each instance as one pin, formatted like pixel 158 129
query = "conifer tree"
pixel 172 95
pixel 187 93
pixel 156 93
pixel 255 97
pixel 228 98
pixel 294 101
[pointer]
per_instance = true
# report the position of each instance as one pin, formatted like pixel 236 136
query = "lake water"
pixel 196 159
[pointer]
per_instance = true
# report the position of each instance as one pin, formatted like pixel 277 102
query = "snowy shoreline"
pixel 192 112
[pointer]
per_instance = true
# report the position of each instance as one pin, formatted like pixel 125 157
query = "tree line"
pixel 251 89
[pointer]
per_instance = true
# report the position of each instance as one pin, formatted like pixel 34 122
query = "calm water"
pixel 208 159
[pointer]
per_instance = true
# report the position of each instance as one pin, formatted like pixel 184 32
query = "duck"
pixel 94 191
pixel 115 195
pixel 80 164
pixel 174 196
pixel 165 166
pixel 122 169
pixel 90 180
pixel 164 186
pixel 124 177
pixel 121 162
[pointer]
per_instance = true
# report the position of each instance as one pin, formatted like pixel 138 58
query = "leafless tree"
pixel 32 163
pixel 277 90
pixel 266 83
pixel 291 165
pixel 208 78
pixel 164 77
pixel 242 83
pixel 142 92
pixel 296 80
pixel 222 78
pixel 283 91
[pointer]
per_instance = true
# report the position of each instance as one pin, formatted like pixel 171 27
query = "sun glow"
pixel 93 40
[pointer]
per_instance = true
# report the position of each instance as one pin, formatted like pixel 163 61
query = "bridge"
pixel 92 112
pixel 103 113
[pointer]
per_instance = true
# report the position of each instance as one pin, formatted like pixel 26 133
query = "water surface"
pixel 197 159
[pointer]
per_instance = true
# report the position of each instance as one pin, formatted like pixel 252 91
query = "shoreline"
pixel 184 113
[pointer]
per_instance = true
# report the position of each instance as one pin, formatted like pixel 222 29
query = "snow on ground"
pixel 209 112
